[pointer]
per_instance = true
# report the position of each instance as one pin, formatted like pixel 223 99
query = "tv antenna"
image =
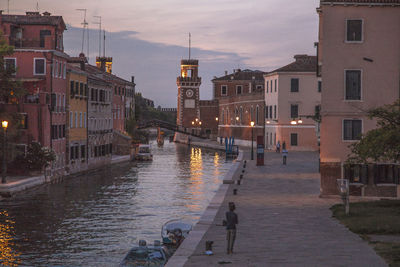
pixel 37 6
pixel 99 23
pixel 190 36
pixel 84 26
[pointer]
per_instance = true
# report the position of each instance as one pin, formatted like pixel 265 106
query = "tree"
pixel 383 143
pixel 37 157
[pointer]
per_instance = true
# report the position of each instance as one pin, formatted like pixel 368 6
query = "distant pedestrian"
pixel 284 156
pixel 278 147
pixel 231 221
pixel 284 145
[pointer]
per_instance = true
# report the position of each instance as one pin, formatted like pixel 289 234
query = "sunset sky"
pixel 148 38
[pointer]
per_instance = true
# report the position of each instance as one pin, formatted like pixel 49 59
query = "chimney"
pixel 226 72
pixel 133 79
pixel 33 13
pixel 82 61
pixel 302 58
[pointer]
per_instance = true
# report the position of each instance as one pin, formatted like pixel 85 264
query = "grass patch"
pixel 376 217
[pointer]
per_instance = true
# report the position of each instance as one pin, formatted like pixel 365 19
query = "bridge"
pixel 169 126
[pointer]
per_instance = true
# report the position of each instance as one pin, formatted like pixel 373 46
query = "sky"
pixel 148 38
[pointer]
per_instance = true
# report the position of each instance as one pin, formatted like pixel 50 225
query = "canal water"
pixel 94 219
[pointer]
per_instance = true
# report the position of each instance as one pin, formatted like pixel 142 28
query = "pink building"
pixel 359 62
pixel 292 101
pixel 41 66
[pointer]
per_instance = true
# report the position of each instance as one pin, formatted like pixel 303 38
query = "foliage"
pixel 37 157
pixel 383 143
pixel 9 88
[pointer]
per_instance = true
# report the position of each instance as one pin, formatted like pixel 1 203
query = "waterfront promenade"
pixel 282 221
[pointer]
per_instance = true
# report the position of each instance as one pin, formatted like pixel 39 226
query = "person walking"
pixel 278 147
pixel 284 155
pixel 231 221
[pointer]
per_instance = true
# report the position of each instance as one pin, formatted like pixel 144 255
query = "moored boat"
pixel 143 153
pixel 154 255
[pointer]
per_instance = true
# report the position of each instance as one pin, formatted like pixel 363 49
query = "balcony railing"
pixel 373 173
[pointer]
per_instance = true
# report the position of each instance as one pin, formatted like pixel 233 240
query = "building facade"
pixel 41 67
pixel 77 116
pixel 359 61
pixel 241 100
pixel 292 103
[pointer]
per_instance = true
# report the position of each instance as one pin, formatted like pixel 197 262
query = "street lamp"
pixel 4 124
pixel 252 137
pixel 216 118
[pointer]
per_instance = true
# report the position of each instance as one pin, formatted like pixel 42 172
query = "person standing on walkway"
pixel 231 221
pixel 278 147
pixel 284 155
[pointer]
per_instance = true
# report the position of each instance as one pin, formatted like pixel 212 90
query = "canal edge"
pixel 188 246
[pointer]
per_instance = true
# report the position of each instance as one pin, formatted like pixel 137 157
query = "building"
pixel 188 114
pixel 359 63
pixel 292 103
pixel 42 67
pixel 100 120
pixel 77 116
pixel 240 97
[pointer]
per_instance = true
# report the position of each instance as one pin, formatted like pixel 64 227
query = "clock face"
pixel 189 93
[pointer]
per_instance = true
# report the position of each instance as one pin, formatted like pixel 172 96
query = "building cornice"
pixel 359 3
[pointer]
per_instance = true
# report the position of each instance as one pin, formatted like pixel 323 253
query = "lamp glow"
pixel 4 124
pixel 252 123
pixel 293 122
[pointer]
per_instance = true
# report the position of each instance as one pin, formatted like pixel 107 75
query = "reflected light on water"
pixel 217 172
pixel 196 179
pixel 8 257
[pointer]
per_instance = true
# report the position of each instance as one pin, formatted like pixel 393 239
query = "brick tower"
pixel 188 113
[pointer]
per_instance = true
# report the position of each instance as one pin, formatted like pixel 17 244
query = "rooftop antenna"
pixel 99 23
pixel 37 6
pixel 87 33
pixel 190 36
pixel 104 43
pixel 84 25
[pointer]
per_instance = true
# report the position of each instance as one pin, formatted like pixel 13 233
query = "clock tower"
pixel 188 112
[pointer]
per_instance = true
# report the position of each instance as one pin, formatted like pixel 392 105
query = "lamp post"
pixel 252 137
pixel 4 124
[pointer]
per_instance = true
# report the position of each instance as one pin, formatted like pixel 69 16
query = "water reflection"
pixel 94 219
pixel 8 255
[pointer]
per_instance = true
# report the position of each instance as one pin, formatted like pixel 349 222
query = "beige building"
pixel 292 101
pixel 77 97
pixel 359 63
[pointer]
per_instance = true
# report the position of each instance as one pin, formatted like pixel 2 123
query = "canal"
pixel 94 219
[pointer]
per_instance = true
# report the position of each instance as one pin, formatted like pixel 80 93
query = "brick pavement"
pixel 282 221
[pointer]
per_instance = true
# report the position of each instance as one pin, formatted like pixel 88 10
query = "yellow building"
pixel 77 116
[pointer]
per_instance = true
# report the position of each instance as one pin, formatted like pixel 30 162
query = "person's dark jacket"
pixel 231 220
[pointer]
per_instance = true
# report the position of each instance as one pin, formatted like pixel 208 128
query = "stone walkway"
pixel 282 221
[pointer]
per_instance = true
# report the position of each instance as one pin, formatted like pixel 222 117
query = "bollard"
pixel 209 247
pixel 241 176
pixel 245 161
pixel 244 166
pixel 235 191
pixel 284 160
pixel 242 171
pixel 238 182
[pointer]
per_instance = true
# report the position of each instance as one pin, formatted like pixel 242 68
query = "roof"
pixel 303 63
pixel 362 2
pixel 35 19
pixel 242 75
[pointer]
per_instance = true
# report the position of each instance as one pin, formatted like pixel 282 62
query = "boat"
pixel 154 255
pixel 143 153
pixel 174 232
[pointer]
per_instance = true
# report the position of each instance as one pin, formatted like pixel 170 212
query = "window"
pixel 84 119
pixel 266 112
pixel 270 86
pixel 241 115
pixel 71 119
pixel 77 88
pixel 257 110
pixel 60 70
pixel 352 129
pixel 65 71
pixel 293 139
pixel 76 119
pixel 81 89
pixel 294 85
pixel 60 134
pixel 56 68
pixel 270 112
pixel 71 88
pixel 23 121
pixel 72 156
pixel 319 86
pixel 267 83
pixel 11 64
pixel 353 84
pixel 294 111
pixel 40 66
pixel 223 90
pixel 274 111
pixel 238 89
pixel 83 151
pixel 354 30
pixel 275 85
pixel 80 119
pixel 86 90
pixel 251 114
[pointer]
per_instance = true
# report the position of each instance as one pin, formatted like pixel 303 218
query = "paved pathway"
pixel 282 221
